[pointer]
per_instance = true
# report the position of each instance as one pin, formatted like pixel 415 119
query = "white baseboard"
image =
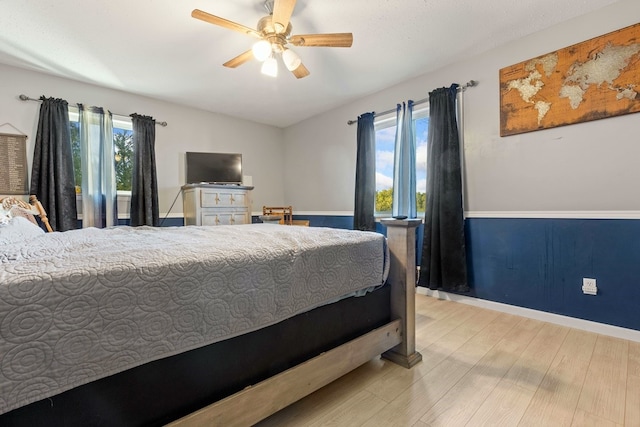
pixel 571 322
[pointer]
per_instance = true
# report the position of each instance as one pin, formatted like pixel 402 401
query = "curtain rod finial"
pixel 23 97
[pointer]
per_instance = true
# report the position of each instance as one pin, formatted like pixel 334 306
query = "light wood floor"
pixel 482 367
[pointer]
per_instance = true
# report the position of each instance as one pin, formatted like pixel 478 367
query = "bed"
pixel 194 325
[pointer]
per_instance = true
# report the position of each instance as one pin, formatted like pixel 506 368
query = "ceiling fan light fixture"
pixel 272 35
pixel 261 50
pixel 291 59
pixel 270 67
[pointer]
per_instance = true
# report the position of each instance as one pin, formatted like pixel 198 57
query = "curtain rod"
pixel 26 98
pixel 470 83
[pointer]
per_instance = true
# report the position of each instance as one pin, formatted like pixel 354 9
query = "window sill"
pixel 379 217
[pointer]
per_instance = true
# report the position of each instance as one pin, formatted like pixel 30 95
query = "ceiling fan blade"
pixel 282 10
pixel 216 20
pixel 301 71
pixel 327 40
pixel 239 60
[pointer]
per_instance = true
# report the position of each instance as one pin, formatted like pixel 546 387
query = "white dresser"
pixel 214 204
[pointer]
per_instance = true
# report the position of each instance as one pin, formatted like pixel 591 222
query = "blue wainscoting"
pixel 333 221
pixel 172 222
pixel 540 263
pixel 169 222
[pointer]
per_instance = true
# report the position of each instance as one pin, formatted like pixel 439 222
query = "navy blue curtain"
pixel 144 181
pixel 443 264
pixel 52 178
pixel 365 194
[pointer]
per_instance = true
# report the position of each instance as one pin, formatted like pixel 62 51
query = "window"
pixel 122 156
pixel 123 147
pixel 385 142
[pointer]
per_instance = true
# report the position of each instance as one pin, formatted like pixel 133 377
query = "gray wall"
pixel 592 166
pixel 188 130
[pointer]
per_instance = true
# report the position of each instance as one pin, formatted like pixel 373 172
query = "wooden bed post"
pixel 401 235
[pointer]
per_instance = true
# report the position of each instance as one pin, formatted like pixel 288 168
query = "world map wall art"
pixel 592 80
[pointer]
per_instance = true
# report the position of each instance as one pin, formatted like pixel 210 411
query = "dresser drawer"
pixel 212 199
pixel 225 218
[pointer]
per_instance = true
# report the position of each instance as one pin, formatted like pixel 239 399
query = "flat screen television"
pixel 214 168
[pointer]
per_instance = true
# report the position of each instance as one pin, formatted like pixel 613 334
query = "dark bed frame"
pixel 251 376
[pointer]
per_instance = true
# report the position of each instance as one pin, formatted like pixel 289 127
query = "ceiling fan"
pixel 274 34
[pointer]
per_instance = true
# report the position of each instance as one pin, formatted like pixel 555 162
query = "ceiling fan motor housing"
pixel 269 33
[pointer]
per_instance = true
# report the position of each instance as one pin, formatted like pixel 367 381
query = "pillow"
pixel 18 229
pixel 17 211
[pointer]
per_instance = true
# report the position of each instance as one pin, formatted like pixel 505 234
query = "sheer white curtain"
pixel 98 168
pixel 404 163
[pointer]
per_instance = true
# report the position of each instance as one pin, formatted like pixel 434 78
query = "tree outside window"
pixel 122 156
pixel 123 146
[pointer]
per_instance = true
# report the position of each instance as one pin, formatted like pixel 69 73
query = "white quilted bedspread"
pixel 85 304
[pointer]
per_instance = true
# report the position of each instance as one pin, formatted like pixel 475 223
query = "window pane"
pixel 74 127
pixel 123 150
pixel 421 130
pixel 123 147
pixel 385 144
pixel 385 141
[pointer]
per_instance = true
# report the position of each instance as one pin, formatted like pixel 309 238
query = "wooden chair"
pixel 285 211
pixel 27 209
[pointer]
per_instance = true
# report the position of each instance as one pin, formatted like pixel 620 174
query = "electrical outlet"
pixel 589 286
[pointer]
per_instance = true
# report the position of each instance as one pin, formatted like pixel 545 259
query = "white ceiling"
pixel 155 48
